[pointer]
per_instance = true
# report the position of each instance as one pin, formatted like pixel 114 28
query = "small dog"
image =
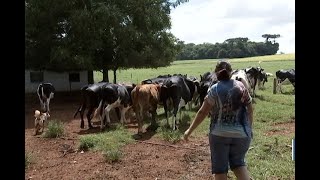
pixel 40 120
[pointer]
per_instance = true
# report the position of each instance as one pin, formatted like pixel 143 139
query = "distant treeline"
pixel 230 48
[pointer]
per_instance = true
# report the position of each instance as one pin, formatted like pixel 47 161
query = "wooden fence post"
pixel 274 85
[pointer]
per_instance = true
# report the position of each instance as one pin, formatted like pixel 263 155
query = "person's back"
pixel 230 131
pixel 229 116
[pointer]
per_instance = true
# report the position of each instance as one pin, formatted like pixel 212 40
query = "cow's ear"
pixel 133 85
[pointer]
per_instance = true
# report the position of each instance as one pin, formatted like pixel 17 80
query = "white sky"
pixel 199 21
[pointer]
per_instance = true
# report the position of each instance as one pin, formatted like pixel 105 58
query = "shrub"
pixel 28 159
pixel 112 155
pixel 55 129
pixel 88 141
pixel 170 135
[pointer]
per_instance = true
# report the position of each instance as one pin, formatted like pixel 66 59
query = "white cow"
pixel 241 75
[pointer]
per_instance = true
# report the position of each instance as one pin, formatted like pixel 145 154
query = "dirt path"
pixel 139 161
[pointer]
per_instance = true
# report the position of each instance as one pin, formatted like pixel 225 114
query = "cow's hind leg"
pixel 81 116
pixel 139 113
pixel 48 105
pixel 153 126
pixel 153 112
pixel 178 102
pixel 89 113
pixel 165 107
pixel 123 114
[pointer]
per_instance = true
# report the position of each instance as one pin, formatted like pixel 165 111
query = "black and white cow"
pixel 194 90
pixel 282 75
pixel 253 73
pixel 113 96
pixel 158 80
pixel 176 90
pixel 241 75
pixel 45 93
pixel 263 78
pixel 206 81
pixel 91 96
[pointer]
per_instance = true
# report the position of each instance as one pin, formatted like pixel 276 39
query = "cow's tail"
pixel 134 95
pixel 78 110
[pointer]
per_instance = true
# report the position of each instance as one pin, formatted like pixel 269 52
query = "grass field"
pixel 270 156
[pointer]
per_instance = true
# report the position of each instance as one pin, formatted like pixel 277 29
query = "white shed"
pixel 62 81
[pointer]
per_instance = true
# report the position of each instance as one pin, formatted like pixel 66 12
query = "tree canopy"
pixel 268 36
pixel 231 48
pixel 99 34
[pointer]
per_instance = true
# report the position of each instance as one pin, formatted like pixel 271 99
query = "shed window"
pixel 36 77
pixel 74 77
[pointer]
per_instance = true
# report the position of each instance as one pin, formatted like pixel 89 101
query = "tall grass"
pixel 109 143
pixel 270 156
pixel 28 159
pixel 55 129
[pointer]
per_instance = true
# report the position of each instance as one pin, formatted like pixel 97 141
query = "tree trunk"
pixel 105 75
pixel 115 75
pixel 90 77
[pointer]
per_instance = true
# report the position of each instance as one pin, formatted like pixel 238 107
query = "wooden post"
pixel 274 85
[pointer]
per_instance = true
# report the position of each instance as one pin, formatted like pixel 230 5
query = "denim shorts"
pixel 227 152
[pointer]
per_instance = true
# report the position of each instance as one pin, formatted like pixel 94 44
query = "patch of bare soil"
pixel 151 158
pixel 286 129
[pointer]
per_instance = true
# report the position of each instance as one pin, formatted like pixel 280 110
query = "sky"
pixel 211 21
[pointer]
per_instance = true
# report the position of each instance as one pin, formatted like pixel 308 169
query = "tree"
pixel 268 36
pixel 99 34
pixel 222 54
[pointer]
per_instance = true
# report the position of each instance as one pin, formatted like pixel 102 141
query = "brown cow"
pixel 145 100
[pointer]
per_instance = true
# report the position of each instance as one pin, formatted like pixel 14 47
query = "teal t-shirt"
pixel 229 116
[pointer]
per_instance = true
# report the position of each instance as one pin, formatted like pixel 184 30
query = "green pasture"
pixel 197 67
pixel 270 153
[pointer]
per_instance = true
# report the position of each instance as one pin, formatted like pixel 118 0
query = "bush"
pixel 109 142
pixel 170 135
pixel 88 141
pixel 112 155
pixel 28 159
pixel 55 129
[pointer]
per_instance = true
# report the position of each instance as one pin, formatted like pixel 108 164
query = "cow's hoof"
pixel 167 126
pixel 137 136
pixel 90 126
pixel 175 127
pixel 152 127
pixel 108 126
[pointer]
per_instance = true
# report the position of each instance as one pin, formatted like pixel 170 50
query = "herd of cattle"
pixel 172 92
